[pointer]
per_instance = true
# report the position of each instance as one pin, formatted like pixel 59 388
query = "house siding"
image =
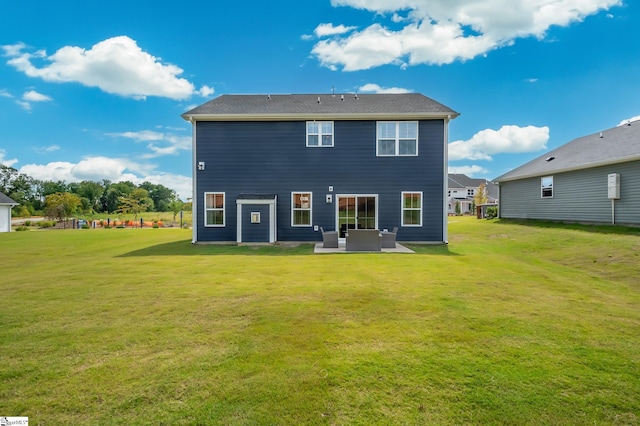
pixel 272 157
pixel 578 196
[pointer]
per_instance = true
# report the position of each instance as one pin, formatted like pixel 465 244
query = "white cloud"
pixel 374 88
pixel 5 161
pixel 159 143
pixel 471 171
pixel 46 149
pixel 116 65
pixel 33 96
pixel 324 30
pixel 508 139
pixel 114 169
pixel 5 94
pixel 444 31
pixel 629 120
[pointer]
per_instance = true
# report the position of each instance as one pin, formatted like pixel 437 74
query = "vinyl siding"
pixel 272 157
pixel 578 196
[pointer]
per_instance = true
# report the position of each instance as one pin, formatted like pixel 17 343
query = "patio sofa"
pixel 364 240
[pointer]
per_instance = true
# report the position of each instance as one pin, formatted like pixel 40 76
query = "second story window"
pixel 397 138
pixel 319 133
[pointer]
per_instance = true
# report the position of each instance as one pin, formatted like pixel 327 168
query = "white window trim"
pixel 542 187
pixel 293 209
pixel 320 134
pixel 403 208
pixel 397 139
pixel 224 210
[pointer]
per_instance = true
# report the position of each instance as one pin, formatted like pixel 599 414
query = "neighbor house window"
pixel 319 133
pixel 412 209
pixel 547 186
pixel 214 209
pixel 397 138
pixel 301 209
pixel 471 192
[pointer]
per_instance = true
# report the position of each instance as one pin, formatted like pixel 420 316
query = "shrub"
pixel 22 228
pixel 492 213
pixel 156 226
pixel 27 223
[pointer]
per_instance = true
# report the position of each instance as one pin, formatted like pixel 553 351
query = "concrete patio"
pixel 318 249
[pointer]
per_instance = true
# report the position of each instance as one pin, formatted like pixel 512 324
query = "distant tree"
pixel 160 194
pixel 458 209
pixel 61 205
pixel 136 202
pixel 91 191
pixel 17 186
pixel 110 199
pixel 481 195
pixel 50 187
pixel 175 206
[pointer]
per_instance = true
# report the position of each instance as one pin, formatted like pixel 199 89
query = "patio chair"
pixel 389 238
pixel 329 238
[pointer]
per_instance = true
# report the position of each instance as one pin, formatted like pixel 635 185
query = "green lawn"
pixel 509 324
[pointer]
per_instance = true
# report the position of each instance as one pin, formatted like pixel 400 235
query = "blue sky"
pixel 94 90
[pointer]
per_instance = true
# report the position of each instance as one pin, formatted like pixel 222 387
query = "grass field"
pixel 509 324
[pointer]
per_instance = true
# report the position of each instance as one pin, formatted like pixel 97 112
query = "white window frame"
pixel 294 208
pixel 397 139
pixel 403 208
pixel 320 134
pixel 548 187
pixel 223 209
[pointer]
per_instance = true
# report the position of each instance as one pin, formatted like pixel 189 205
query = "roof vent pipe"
pixel 601 135
pixel 342 97
pixel 318 99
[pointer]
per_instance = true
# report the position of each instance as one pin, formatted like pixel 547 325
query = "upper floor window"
pixel 547 186
pixel 397 138
pixel 412 209
pixel 301 209
pixel 214 209
pixel 319 133
pixel 471 192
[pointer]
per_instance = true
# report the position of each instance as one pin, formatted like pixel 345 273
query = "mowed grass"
pixel 509 324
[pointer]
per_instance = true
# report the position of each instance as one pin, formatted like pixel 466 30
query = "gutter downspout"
pixel 445 209
pixel 194 183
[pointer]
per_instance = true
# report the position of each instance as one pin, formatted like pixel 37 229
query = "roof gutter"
pixel 572 169
pixel 317 116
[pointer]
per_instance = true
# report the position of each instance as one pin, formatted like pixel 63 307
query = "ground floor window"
pixel 301 209
pixel 214 209
pixel 412 209
pixel 547 186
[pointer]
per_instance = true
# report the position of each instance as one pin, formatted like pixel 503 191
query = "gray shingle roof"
pixel 461 181
pixel 6 200
pixel 617 145
pixel 301 106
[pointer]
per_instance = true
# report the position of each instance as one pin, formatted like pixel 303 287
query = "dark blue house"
pixel 270 168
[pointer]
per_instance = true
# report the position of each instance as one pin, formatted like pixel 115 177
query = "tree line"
pixel 49 198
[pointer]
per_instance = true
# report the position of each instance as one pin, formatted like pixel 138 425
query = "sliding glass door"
pixel 357 212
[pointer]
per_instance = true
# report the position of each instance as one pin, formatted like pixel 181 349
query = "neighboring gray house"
pixel 594 178
pixel 270 168
pixel 5 212
pixel 462 189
